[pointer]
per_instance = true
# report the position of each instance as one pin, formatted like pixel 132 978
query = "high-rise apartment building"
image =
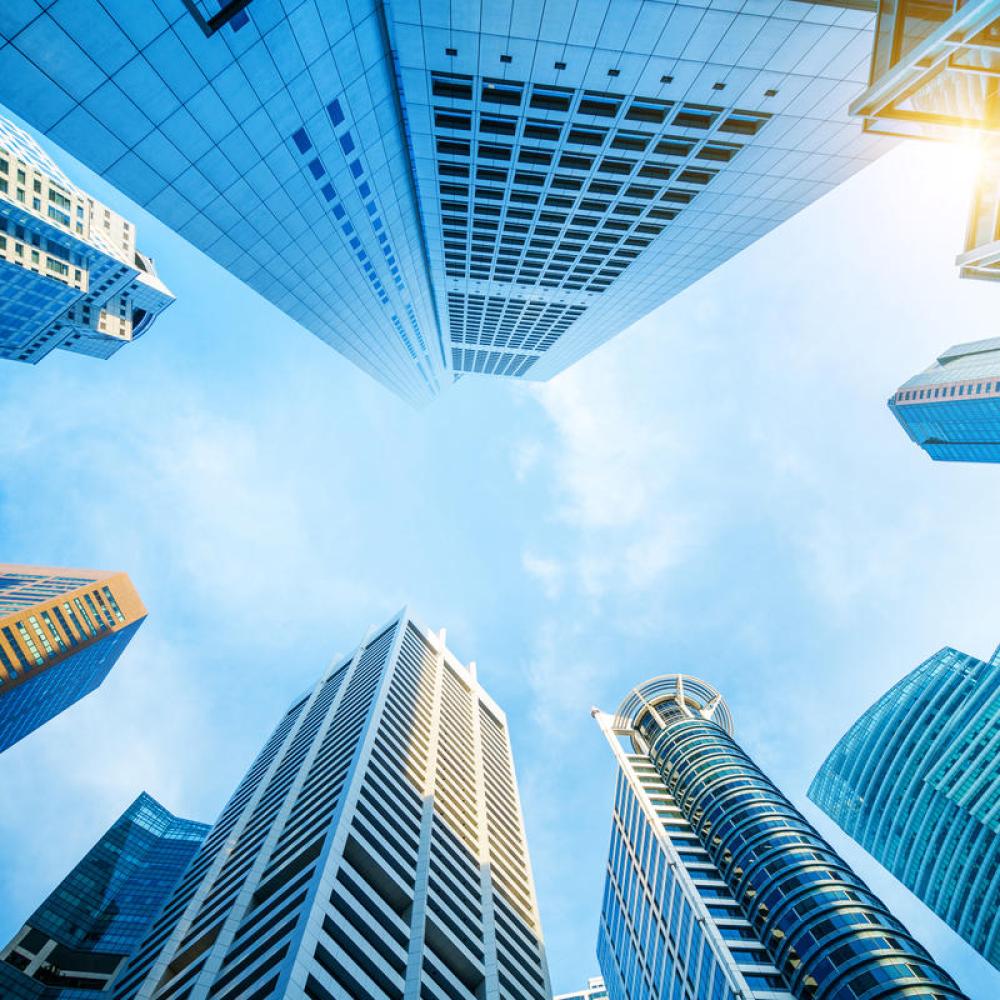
pixel 596 990
pixel 454 189
pixel 374 849
pixel 952 410
pixel 71 275
pixel 61 632
pixel 74 943
pixel 718 888
pixel 916 782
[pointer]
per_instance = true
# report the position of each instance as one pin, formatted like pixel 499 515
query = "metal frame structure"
pixel 974 26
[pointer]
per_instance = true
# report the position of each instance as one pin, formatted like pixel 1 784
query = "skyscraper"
pixel 454 189
pixel 952 410
pixel 595 990
pixel 61 632
pixel 916 782
pixel 718 888
pixel 374 849
pixel 932 77
pixel 71 275
pixel 75 942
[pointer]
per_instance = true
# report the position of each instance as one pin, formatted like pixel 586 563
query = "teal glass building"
pixel 916 782
pixel 74 943
pixel 717 888
pixel 952 410
pixel 449 190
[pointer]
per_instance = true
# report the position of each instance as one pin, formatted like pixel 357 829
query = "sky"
pixel 719 490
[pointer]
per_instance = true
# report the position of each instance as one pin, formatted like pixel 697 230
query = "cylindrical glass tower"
pixel 825 931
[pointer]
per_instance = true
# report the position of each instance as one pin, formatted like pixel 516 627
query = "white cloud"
pixel 564 682
pixel 236 504
pixel 525 459
pixel 611 464
pixel 615 465
pixel 548 572
pixel 148 727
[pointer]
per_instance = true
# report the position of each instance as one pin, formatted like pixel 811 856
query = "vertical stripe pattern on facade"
pixel 375 849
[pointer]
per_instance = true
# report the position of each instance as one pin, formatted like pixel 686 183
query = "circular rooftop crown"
pixel 671 695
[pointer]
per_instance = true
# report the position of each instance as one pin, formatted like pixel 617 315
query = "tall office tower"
pixel 952 410
pixel 61 632
pixel 70 273
pixel 718 888
pixel 374 849
pixel 932 76
pixel 596 990
pixel 448 189
pixel 916 782
pixel 74 943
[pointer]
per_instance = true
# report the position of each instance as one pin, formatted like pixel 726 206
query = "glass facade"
pixel 70 273
pixel 73 944
pixel 444 190
pixel 916 782
pixel 61 632
pixel 718 888
pixel 952 410
pixel 375 849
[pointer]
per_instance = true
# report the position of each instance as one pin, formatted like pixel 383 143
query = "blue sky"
pixel 719 490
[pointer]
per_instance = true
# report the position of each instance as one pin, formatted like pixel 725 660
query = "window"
pixel 604 106
pixel 63 202
pixel 502 92
pixel 551 98
pixel 674 146
pixel 498 125
pixel 721 151
pixel 57 266
pixel 571 161
pixel 536 130
pixel 614 165
pixel 635 141
pixel 648 110
pixel 456 87
pixel 587 136
pixel 656 171
pixel 744 122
